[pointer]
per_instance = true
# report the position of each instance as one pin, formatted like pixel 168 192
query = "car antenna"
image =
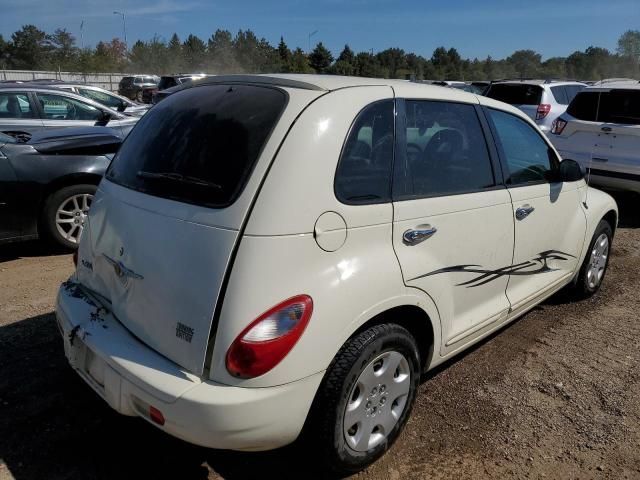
pixel 586 193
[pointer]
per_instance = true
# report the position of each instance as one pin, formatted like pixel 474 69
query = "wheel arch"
pixel 611 217
pixel 412 318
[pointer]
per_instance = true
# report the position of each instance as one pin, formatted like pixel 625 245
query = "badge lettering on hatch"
pixel 184 332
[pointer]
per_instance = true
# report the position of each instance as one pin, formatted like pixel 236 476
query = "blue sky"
pixel 477 28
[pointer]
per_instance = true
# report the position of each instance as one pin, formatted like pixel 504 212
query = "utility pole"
pixel 311 35
pixel 81 35
pixel 124 29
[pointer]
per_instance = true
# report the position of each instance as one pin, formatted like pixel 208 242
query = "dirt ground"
pixel 554 395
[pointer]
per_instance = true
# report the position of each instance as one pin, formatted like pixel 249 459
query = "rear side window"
pixel 572 91
pixel 167 82
pixel 560 95
pixel 515 94
pixel 446 151
pixel 364 170
pixel 200 145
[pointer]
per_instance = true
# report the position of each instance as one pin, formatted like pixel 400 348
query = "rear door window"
pixel 445 149
pixel 515 94
pixel 199 146
pixel 560 94
pixel 364 170
pixel 15 105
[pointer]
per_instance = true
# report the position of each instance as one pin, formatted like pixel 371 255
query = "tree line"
pixel 33 49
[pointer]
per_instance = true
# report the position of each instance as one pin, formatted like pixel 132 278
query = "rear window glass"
pixel 200 145
pixel 584 106
pixel 167 82
pixel 515 94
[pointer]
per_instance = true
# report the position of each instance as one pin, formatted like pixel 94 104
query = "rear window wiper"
pixel 178 177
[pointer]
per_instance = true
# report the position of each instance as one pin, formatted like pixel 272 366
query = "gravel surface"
pixel 554 395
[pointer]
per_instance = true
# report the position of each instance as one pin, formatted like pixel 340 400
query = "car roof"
pixel 613 86
pixel 539 82
pixel 327 83
pixel 309 81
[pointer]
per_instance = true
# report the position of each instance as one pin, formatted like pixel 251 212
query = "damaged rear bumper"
pixel 131 377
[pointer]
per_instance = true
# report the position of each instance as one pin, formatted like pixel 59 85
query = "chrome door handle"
pixel 524 211
pixel 418 235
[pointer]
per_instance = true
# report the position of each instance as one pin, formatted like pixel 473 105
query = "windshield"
pixel 200 145
pixel 515 94
pixel 6 139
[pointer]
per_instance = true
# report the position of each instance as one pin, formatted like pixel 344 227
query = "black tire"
pixel 49 212
pixel 324 429
pixel 582 288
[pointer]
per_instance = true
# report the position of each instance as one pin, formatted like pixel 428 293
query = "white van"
pixel 268 253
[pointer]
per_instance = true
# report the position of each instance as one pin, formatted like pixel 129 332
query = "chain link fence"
pixel 108 81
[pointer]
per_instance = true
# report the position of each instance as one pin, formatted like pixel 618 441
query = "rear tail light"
pixel 557 127
pixel 543 111
pixel 156 415
pixel 269 338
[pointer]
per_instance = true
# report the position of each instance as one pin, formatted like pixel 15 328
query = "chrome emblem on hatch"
pixel 121 270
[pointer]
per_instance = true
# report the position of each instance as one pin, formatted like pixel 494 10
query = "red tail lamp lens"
pixel 543 111
pixel 269 338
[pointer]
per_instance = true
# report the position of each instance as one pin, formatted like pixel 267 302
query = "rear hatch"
pixel 524 96
pixel 604 128
pixel 165 220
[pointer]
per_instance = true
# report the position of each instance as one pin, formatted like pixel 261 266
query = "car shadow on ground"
pixel 628 209
pixel 28 249
pixel 53 426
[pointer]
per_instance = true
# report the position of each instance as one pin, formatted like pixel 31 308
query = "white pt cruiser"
pixel 279 257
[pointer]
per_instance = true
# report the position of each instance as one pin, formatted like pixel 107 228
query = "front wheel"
pixel 65 212
pixel 365 398
pixel 596 262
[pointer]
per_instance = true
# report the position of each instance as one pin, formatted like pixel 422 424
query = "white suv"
pixel 542 100
pixel 268 253
pixel 601 131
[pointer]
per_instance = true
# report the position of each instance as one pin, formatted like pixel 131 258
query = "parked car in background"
pixel 47 183
pixel 137 87
pixel 162 94
pixel 105 97
pixel 542 100
pixel 246 327
pixel 26 109
pixel 601 131
pixel 171 81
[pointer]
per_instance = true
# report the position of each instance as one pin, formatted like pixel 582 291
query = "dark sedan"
pixel 47 183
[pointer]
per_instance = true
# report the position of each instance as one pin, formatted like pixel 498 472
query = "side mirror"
pixel 104 119
pixel 570 171
pixel 122 107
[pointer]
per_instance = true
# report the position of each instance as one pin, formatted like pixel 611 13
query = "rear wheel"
pixel 365 398
pixel 65 212
pixel 595 262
